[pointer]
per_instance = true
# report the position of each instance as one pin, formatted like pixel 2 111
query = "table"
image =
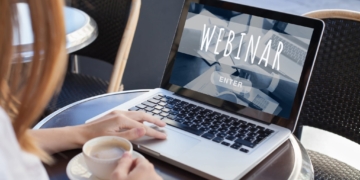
pixel 289 161
pixel 81 30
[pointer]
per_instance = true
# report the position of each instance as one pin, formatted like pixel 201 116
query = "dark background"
pixel 150 49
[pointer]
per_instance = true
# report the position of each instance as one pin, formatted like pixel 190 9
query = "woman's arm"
pixel 125 124
pixel 54 140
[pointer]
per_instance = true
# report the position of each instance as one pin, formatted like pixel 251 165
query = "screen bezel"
pixel 260 116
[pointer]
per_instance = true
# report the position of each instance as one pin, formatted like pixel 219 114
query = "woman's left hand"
pixel 126 124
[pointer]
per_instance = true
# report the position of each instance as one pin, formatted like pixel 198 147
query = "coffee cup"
pixel 102 154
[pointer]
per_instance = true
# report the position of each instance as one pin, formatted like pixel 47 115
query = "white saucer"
pixel 77 169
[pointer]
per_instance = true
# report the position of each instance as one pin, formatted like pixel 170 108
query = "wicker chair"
pixel 332 102
pixel 116 22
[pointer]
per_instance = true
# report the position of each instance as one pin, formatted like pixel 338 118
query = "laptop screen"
pixel 245 60
pixel 241 58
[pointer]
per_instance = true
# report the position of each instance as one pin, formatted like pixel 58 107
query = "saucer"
pixel 77 169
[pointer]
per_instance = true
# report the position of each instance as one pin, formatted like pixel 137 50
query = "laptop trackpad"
pixel 176 143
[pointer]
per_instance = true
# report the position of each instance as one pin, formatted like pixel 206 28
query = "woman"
pixel 26 88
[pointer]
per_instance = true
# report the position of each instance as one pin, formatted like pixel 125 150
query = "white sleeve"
pixel 15 163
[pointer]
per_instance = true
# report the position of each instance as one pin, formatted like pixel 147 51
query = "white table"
pixel 81 30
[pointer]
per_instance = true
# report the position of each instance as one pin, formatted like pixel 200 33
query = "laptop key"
pixel 183 127
pixel 230 138
pixel 164 114
pixel 260 138
pixel 184 104
pixel 162 103
pixel 232 133
pixel 187 123
pixel 243 126
pixel 254 130
pixel 251 125
pixel 244 150
pixel 156 111
pixel 154 101
pixel 269 131
pixel 250 139
pixel 221 135
pixel 243 132
pixel 245 142
pixel 141 106
pixel 170 106
pixel 212 131
pixel 204 129
pixel 157 97
pixel 148 104
pixel 252 134
pixel 172 117
pixel 242 122
pixel 133 109
pixel 208 136
pixel 158 107
pixel 225 143
pixel 223 130
pixel 260 128
pixel 206 124
pixel 218 139
pixel 195 126
pixel 169 98
pixel 235 146
pixel 149 109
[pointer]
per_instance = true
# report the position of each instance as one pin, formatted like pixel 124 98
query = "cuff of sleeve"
pixel 274 82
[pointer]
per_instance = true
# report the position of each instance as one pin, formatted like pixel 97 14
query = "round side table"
pixel 81 30
pixel 289 161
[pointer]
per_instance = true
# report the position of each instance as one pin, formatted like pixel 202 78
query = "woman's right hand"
pixel 129 169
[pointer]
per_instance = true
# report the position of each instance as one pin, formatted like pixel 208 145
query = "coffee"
pixel 108 150
pixel 102 154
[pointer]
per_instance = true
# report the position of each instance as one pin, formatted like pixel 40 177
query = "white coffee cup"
pixel 102 154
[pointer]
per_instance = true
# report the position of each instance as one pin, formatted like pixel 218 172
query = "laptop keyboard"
pixel 211 125
pixel 289 50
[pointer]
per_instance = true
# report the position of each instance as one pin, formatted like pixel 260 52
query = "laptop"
pixel 224 117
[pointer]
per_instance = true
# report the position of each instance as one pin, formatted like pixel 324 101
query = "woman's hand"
pixel 126 124
pixel 129 169
pixel 117 123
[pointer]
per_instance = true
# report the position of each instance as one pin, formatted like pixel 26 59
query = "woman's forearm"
pixel 54 140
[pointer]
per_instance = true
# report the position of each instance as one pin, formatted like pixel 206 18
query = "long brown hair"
pixel 26 88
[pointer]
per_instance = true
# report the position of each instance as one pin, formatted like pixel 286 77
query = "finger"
pixel 140 160
pixel 142 116
pixel 133 133
pixel 141 166
pixel 123 168
pixel 130 123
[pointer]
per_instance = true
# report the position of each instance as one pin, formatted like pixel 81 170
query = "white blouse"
pixel 15 163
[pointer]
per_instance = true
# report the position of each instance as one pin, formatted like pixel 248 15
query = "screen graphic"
pixel 248 60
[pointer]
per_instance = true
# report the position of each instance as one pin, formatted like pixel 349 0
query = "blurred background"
pixel 151 45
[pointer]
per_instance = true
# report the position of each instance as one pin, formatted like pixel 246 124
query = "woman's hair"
pixel 26 88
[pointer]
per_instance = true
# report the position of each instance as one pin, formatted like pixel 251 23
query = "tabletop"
pixel 81 30
pixel 289 161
